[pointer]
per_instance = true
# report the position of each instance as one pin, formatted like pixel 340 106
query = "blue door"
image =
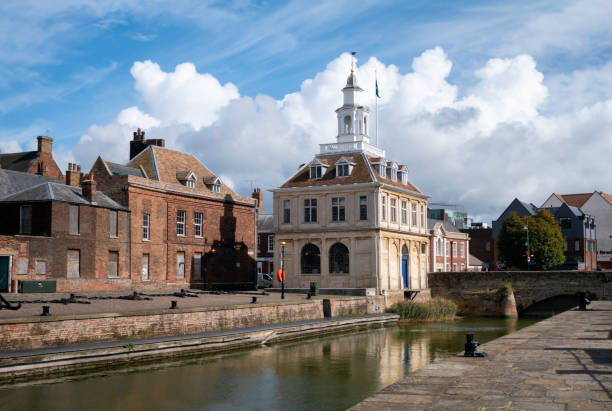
pixel 405 270
pixel 4 273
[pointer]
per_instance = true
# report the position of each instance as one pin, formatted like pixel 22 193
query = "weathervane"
pixel 353 60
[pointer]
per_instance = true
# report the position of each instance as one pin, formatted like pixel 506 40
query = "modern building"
pixel 187 228
pixel 454 213
pixel 350 217
pixel 450 247
pixel 599 205
pixel 520 208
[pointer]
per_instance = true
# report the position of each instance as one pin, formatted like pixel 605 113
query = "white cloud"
pixel 183 96
pixel 480 150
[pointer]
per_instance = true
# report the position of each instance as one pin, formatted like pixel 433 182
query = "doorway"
pixel 405 267
pixel 5 273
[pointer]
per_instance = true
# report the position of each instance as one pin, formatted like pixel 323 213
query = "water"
pixel 327 373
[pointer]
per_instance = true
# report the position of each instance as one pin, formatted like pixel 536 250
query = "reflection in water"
pixel 327 373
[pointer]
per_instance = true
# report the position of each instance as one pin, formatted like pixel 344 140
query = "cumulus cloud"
pixel 480 147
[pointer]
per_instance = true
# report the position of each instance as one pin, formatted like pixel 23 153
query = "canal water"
pixel 328 373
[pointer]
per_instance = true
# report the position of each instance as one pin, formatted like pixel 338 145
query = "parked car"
pixel 264 280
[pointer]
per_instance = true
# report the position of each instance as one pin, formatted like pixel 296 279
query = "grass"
pixel 436 309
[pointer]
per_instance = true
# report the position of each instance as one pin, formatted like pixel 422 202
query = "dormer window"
pixel 213 183
pixel 317 169
pixel 392 166
pixel 344 168
pixel 403 174
pixel 187 178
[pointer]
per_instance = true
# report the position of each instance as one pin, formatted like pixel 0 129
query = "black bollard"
pixel 470 347
pixel 254 300
pixel 173 305
pixel 45 311
pixel 583 301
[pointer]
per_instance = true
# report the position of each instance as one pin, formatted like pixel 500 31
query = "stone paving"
pixel 561 363
pixel 34 309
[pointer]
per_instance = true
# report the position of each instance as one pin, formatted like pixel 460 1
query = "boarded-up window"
pixel 25 219
pixel 180 265
pixel 145 267
pixel 73 258
pixel 113 264
pixel 74 220
pixel 41 267
pixel 197 266
pixel 112 220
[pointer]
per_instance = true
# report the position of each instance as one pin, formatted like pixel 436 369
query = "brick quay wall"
pixel 31 333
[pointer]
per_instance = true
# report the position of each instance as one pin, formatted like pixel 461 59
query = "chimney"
pixel 73 175
pixel 45 144
pixel 88 185
pixel 138 144
pixel 257 195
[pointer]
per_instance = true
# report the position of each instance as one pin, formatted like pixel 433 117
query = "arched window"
pixel 339 259
pixel 347 125
pixel 311 259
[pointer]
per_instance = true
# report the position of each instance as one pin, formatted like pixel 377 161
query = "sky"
pixel 482 101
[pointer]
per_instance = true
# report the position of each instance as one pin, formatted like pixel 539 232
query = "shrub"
pixel 434 309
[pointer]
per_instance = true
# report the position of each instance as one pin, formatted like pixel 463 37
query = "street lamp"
pixel 283 244
pixel 526 228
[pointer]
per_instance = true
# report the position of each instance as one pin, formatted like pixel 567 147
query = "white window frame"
pixel 180 223
pixel 197 225
pixel 270 243
pixel 393 209
pixel 454 247
pixel 404 212
pixel 462 250
pixel 414 221
pixel 146 226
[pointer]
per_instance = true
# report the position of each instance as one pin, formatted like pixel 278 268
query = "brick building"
pixel 187 227
pixel 450 248
pixel 39 162
pixel 69 233
pixel 482 245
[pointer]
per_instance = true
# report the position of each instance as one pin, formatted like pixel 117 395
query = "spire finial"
pixel 353 53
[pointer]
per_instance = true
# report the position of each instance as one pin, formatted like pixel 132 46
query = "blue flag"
pixel 377 95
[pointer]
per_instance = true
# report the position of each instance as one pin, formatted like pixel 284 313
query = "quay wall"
pixel 39 332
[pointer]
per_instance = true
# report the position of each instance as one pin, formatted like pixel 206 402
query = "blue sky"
pixel 66 66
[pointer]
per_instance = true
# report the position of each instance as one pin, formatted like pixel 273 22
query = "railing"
pixel 359 146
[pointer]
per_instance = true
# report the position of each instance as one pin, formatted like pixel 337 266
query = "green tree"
pixel 511 242
pixel 545 241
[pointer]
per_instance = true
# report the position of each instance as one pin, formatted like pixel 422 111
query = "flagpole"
pixel 376 98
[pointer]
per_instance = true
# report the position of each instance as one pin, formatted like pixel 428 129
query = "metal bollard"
pixel 173 305
pixel 45 311
pixel 470 347
pixel 583 301
pixel 254 300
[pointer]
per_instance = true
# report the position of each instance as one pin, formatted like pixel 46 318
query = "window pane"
pixel 180 223
pixel 197 266
pixel 113 223
pixel 113 264
pixel 145 226
pixel 74 220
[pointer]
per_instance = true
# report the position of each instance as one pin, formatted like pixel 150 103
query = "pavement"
pixel 561 363
pixel 109 301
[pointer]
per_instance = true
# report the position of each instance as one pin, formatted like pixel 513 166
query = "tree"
pixel 546 243
pixel 511 242
pixel 545 240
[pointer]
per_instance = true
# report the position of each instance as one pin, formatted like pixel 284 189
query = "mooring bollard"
pixel 254 300
pixel 173 305
pixel 583 301
pixel 470 347
pixel 45 311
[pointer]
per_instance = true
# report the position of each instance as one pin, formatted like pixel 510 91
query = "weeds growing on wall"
pixel 436 309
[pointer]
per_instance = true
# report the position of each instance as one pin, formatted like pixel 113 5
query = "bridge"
pixel 552 291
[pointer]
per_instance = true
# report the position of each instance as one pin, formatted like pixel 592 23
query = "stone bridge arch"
pixel 479 292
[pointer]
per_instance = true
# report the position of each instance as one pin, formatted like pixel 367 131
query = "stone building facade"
pixel 350 218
